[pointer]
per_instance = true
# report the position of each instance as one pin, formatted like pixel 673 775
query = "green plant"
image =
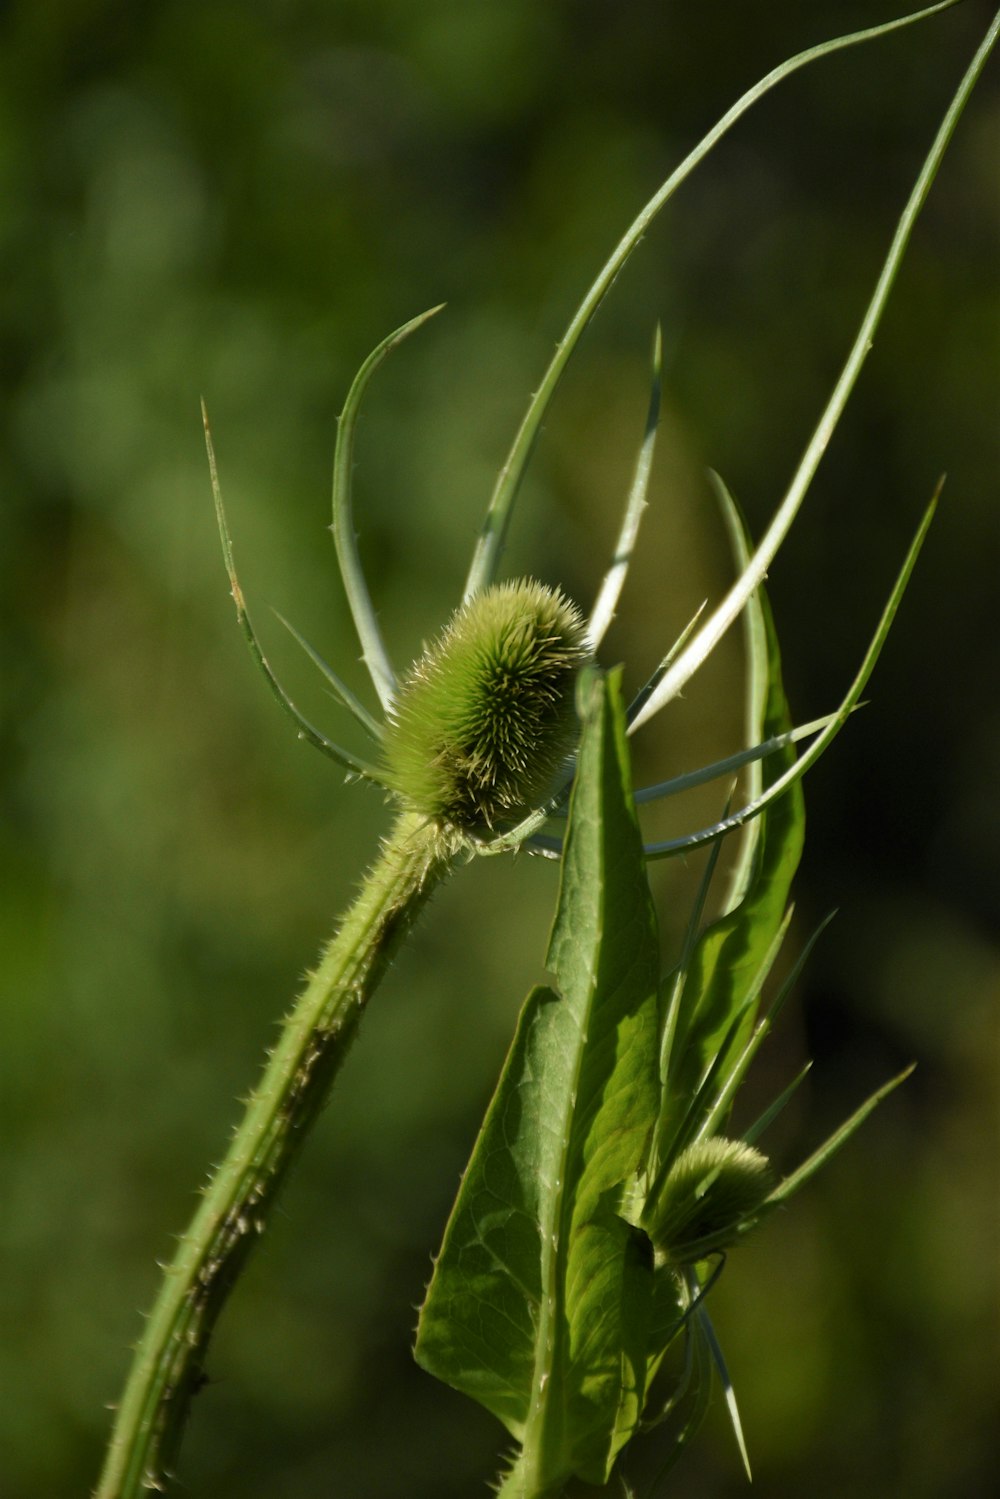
pixel 622 1181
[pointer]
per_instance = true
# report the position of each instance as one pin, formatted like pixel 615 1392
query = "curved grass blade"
pixel 757 674
pixel 719 768
pixel 795 772
pixel 693 1085
pixel 727 611
pixel 606 603
pixel 674 982
pixel 715 1349
pixel 373 649
pixel 688 1405
pixel 676 1298
pixel 731 958
pixel 306 730
pixel 340 690
pixel 485 559
pixel 539 1302
pixel 715 1118
pixel 649 687
pixel 798 1178
pixel 772 1111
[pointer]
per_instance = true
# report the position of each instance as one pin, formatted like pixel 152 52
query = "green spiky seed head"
pixel 712 1195
pixel 486 716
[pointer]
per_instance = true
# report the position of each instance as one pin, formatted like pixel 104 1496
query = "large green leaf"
pixel 539 1303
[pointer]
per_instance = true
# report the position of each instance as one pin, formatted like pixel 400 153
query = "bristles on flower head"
pixel 712 1194
pixel 486 716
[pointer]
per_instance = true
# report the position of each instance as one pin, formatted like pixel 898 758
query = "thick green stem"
pixel 167 1368
pixel 519 1482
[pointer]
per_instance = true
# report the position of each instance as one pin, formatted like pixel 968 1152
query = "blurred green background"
pixel 238 201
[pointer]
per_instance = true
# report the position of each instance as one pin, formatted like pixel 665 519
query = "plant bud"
pixel 711 1195
pixel 486 718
